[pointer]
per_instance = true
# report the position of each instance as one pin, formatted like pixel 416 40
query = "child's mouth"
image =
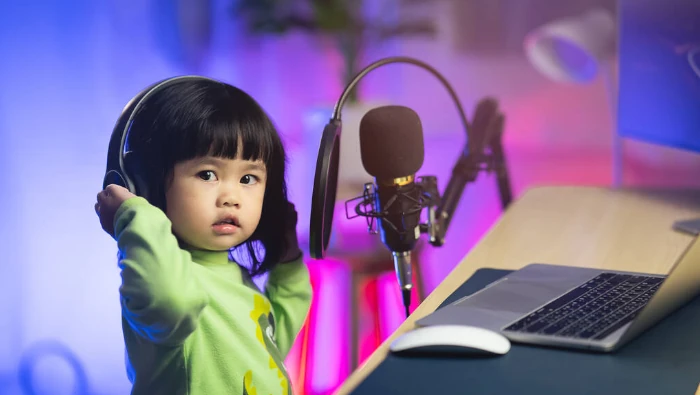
pixel 225 227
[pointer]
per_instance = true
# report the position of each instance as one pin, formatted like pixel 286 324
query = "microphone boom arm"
pixel 464 171
pixel 474 158
pixel 400 59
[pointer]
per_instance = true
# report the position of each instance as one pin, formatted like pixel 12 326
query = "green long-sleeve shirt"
pixel 193 322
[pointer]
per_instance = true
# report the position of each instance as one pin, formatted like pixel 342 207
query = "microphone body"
pixel 399 226
pixel 391 141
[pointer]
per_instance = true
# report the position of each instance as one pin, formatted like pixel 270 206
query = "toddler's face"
pixel 215 203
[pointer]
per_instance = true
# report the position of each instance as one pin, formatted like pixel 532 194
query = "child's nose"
pixel 229 197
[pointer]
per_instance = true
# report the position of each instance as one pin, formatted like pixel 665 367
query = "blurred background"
pixel 68 67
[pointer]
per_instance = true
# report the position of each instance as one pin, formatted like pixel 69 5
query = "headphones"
pixel 122 165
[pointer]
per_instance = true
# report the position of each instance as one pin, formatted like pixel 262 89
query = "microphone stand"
pixel 474 158
pixel 487 133
pixel 500 166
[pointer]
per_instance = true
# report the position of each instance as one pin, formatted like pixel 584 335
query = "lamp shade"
pixel 570 50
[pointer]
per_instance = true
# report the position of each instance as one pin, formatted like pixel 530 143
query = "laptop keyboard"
pixel 594 310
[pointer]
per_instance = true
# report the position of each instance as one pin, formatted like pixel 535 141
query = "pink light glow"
pixel 368 327
pixel 328 358
pixel 390 308
pixel 294 362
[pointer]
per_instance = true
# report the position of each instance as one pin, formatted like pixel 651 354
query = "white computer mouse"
pixel 451 339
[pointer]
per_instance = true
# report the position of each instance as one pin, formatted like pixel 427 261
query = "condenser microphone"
pixel 391 147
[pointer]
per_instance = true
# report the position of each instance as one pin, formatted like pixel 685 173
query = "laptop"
pixel 577 308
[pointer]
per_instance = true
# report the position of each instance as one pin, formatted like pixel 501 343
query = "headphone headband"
pixel 118 152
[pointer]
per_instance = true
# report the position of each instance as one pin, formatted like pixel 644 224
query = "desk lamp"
pixel 575 50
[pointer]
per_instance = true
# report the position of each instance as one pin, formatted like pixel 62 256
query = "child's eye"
pixel 207 175
pixel 249 179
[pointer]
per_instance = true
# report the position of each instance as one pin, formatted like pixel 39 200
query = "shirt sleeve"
pixel 289 290
pixel 160 296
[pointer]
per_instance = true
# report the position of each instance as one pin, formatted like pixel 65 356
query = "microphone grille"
pixel 391 142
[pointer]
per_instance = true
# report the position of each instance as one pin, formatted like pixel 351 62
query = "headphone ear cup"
pixel 114 177
pixel 135 173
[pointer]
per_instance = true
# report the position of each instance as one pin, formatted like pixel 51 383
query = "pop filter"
pixel 326 177
pixel 325 188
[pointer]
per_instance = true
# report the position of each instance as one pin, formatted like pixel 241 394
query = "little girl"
pixel 192 319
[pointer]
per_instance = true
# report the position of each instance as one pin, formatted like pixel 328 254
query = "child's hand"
pixel 108 202
pixel 293 252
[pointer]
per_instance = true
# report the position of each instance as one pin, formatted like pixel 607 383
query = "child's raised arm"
pixel 289 289
pixel 161 298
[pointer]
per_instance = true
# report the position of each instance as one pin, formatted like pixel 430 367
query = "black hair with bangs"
pixel 200 117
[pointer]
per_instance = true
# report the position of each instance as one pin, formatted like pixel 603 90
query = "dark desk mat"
pixel 664 360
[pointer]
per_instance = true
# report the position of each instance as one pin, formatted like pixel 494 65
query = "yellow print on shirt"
pixel 265 333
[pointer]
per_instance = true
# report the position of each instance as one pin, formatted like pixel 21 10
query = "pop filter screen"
pixel 325 188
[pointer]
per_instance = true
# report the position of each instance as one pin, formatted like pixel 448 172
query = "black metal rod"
pixel 501 166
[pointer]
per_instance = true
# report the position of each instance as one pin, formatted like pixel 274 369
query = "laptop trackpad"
pixel 511 297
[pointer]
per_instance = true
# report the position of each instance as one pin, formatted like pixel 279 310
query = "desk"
pixel 576 226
